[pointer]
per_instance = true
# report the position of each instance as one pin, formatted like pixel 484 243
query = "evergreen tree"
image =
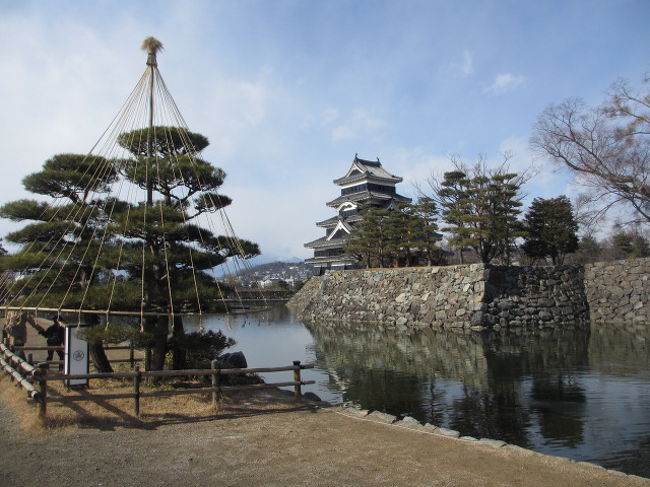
pixel 370 239
pixel 113 249
pixel 181 187
pixel 630 245
pixel 589 250
pixel 68 231
pixel 480 208
pixel 423 236
pixel 550 229
pixel 399 237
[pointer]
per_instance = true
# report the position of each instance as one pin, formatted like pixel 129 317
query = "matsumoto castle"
pixel 365 184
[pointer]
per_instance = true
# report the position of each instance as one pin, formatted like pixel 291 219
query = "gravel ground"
pixel 271 441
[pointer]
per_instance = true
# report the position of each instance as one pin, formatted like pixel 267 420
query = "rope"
pixel 87 230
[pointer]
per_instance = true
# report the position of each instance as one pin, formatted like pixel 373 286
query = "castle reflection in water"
pixel 572 392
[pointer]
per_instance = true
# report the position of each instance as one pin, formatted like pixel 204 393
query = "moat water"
pixel 577 393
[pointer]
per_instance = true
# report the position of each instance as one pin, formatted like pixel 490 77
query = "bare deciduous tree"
pixel 607 147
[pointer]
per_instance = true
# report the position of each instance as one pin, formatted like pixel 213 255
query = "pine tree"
pixel 550 229
pixel 177 251
pixel 397 237
pixel 67 231
pixel 481 207
pixel 370 239
pixel 630 245
pixel 420 235
pixel 107 251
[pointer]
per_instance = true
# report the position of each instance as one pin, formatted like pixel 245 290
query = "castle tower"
pixel 365 184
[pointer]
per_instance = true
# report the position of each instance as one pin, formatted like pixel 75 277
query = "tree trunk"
pixel 178 351
pixel 96 350
pixel 159 348
pixel 98 355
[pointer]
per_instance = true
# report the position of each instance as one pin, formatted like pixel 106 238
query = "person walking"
pixel 55 336
pixel 17 332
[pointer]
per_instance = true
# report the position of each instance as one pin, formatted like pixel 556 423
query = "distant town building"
pixel 365 184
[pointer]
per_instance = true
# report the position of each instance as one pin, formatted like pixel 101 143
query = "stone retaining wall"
pixel 418 296
pixel 619 291
pixel 525 296
pixel 478 296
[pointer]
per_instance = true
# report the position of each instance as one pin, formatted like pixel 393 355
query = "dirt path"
pixel 284 446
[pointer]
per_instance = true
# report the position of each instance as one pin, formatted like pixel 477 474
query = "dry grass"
pixel 16 399
pixel 115 413
pixel 154 411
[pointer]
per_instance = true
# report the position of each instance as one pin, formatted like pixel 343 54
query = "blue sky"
pixel 288 91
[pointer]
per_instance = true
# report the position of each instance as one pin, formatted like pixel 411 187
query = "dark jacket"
pixel 54 335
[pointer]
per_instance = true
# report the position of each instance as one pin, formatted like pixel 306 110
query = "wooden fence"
pixel 132 358
pixel 35 381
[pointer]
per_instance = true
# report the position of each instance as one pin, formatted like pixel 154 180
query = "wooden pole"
pixel 41 375
pixel 216 381
pixel 296 377
pixel 136 390
pixel 131 355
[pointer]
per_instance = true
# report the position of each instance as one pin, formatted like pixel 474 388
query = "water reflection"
pixel 578 393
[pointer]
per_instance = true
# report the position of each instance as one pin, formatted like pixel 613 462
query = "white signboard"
pixel 76 355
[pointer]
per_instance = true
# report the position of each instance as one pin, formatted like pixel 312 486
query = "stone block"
pixel 447 432
pixel 410 420
pixel 492 443
pixel 356 412
pixel 380 417
pixel 429 428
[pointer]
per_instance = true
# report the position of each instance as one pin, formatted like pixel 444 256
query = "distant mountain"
pixel 277 271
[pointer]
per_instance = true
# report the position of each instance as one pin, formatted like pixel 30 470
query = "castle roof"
pixel 368 195
pixel 362 169
pixel 340 260
pixel 331 222
pixel 323 243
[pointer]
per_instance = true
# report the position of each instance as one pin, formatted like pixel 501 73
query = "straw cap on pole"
pixel 152 46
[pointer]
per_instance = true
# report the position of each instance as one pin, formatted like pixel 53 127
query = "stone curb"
pixel 382 417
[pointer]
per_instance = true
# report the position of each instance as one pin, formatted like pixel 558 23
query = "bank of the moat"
pixel 481 296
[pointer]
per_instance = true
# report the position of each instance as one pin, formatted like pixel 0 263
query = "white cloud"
pixel 504 83
pixel 329 116
pixel 281 234
pixel 467 66
pixel 463 67
pixel 359 124
pixel 415 166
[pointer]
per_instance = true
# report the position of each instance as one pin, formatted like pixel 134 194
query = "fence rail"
pixel 132 358
pixel 35 381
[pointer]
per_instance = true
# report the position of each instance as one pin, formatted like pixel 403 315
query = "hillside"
pixel 276 271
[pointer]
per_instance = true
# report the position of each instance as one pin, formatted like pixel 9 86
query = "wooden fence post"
pixel 42 389
pixel 136 390
pixel 216 381
pixel 131 355
pixel 296 378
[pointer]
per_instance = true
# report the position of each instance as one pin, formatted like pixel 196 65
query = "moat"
pixel 580 393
